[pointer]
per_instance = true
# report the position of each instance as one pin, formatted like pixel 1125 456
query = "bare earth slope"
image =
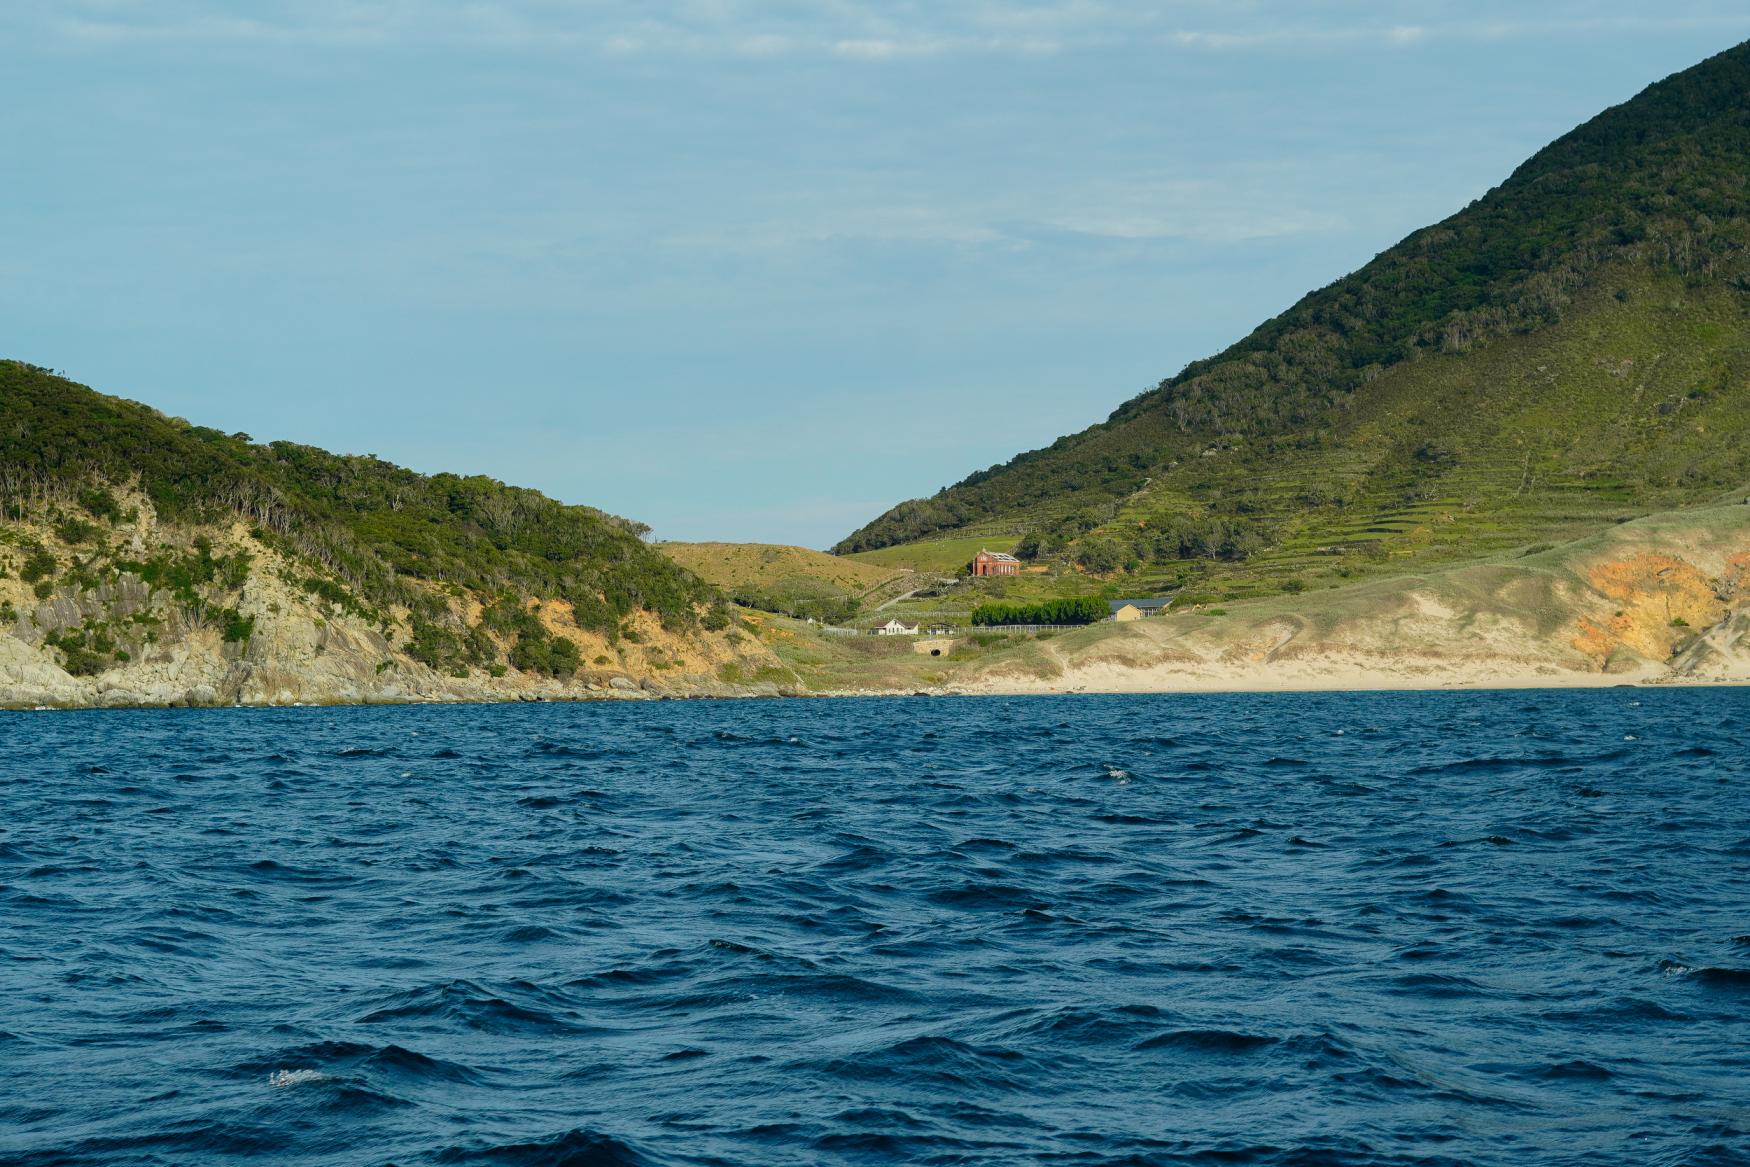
pixel 1665 599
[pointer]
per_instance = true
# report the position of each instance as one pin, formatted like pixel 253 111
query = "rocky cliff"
pixel 143 613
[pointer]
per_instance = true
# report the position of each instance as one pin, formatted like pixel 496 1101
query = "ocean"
pixel 1407 928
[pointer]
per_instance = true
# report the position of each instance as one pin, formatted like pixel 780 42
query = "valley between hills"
pixel 1512 450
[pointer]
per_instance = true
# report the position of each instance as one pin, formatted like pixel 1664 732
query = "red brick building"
pixel 995 563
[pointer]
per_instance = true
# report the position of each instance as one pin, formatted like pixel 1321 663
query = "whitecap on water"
pixel 295 1077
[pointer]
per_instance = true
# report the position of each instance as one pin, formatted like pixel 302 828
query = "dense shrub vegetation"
pixel 369 527
pixel 1659 184
pixel 1077 610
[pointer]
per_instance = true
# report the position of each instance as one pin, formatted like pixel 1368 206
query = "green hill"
pixel 105 499
pixel 1569 350
pixel 795 581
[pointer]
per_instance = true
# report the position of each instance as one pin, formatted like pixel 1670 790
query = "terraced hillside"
pixel 1664 599
pixel 1571 350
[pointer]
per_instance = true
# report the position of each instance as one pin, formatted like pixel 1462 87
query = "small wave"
pixel 1090 1026
pixel 1435 985
pixel 475 1007
pixel 530 934
pixel 579 1147
pixel 685 1055
pixel 562 750
pixel 1225 1041
pixel 985 844
pixel 987 895
pixel 1577 1069
pixel 1714 976
pixel 330 1060
pixel 939 1058
pixel 1627 1009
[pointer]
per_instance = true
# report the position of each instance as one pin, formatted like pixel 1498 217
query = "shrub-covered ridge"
pixel 376 537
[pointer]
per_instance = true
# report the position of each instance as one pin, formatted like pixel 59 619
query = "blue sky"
pixel 742 270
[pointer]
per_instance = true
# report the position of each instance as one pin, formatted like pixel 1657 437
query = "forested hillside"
pixel 460 573
pixel 1571 347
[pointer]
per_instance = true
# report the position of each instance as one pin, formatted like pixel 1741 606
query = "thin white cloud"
pixel 1329 36
pixel 861 30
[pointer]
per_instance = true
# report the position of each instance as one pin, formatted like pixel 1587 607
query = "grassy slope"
pixel 1628 406
pixel 1519 401
pixel 935 554
pixel 1624 408
pixel 1664 597
pixel 732 565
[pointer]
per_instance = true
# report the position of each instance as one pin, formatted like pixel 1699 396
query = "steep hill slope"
pixel 795 581
pixel 147 560
pixel 1572 348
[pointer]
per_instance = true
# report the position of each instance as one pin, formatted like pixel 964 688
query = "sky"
pixel 742 270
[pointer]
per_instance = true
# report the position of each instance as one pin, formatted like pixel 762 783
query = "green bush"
pixel 237 627
pixel 75 530
pixel 433 645
pixel 38 565
pixel 99 502
pixel 538 652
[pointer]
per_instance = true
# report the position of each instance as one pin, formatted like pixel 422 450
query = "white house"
pixel 896 627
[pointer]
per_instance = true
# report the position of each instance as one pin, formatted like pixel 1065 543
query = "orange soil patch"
pixel 1659 597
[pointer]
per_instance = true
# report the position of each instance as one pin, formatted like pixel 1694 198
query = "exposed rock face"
pixel 300 649
pixel 1664 599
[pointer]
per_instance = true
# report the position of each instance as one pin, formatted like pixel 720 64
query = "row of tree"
pixel 1079 610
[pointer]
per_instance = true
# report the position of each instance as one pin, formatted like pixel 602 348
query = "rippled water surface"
pixel 1497 928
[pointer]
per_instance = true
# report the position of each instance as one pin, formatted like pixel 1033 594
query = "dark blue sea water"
pixel 1495 928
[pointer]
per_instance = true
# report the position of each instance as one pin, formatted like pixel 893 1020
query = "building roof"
pixel 999 556
pixel 1153 603
pixel 898 621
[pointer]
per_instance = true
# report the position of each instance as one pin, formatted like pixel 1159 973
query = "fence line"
pixel 959 630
